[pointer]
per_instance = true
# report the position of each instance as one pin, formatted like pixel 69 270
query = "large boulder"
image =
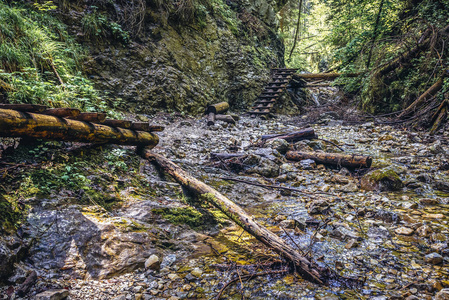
pixel 386 179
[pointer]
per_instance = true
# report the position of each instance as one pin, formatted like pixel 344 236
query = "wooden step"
pixel 265 101
pixel 268 96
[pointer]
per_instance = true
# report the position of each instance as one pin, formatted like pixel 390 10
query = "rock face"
pixel 80 244
pixel 182 58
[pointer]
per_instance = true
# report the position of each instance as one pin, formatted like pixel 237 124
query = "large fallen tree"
pixel 31 125
pixel 306 268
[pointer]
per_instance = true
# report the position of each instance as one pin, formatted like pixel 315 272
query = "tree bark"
pixel 90 117
pixel 218 108
pixel 336 159
pixel 31 125
pixel 298 26
pixel 303 266
pixel 62 112
pixel 210 119
pixel 117 123
pixel 307 133
pixel 376 26
pixel 24 107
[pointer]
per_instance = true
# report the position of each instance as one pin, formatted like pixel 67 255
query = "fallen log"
pixel 62 112
pixel 218 108
pixel 156 128
pixel 29 282
pixel 24 107
pixel 336 159
pixel 304 134
pixel 142 126
pixel 307 269
pixel 425 96
pixel 31 125
pixel 90 117
pixel 225 118
pixel 210 119
pixel 441 115
pixel 326 76
pixel 117 123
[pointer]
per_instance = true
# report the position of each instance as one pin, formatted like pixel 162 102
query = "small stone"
pixel 433 216
pixel 424 231
pixel 409 205
pixel 307 164
pixel 442 295
pixel 428 201
pixel 290 224
pixel 173 276
pixel 197 272
pixel 433 258
pixel 350 188
pixel 404 231
pixel 186 287
pixel 153 262
pixel 53 295
pixel 352 244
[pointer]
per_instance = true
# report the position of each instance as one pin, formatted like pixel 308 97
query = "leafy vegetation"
pixel 41 63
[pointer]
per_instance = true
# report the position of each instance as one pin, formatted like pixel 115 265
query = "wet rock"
pixel 386 216
pixel 352 244
pixel 351 187
pixel 428 201
pixel 442 295
pixel 53 295
pixel 251 160
pixel 344 234
pixel 7 259
pixel 290 224
pixel 168 260
pixel 441 186
pixel 384 180
pixel 279 145
pixel 409 205
pixel 439 247
pixel 404 231
pixel 266 168
pixel 433 258
pixel 302 146
pixel 267 153
pixel 153 262
pixel 307 164
pixel 317 207
pixel 197 272
pixel 436 148
pixel 424 231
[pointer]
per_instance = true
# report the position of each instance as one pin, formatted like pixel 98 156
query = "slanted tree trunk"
pixel 303 266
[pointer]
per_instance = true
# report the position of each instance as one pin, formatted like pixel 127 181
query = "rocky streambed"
pixel 387 225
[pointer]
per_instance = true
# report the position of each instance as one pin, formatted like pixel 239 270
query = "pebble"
pixel 433 258
pixel 197 272
pixel 152 262
pixel 404 231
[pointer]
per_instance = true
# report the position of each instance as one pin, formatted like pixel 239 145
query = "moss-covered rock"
pixel 222 52
pixel 386 179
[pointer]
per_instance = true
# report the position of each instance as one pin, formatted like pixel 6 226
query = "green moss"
pixel 9 215
pixel 182 215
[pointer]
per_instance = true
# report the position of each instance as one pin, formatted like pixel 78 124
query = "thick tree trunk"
pixel 303 266
pixel 218 108
pixel 336 159
pixel 210 119
pixel 24 107
pixel 31 125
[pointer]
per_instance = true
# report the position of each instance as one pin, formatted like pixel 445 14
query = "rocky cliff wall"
pixel 180 55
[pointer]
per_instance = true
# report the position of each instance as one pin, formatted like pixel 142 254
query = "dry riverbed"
pixel 389 229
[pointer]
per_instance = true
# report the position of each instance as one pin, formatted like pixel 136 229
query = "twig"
pixel 332 143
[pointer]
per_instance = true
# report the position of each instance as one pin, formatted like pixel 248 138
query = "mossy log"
pixel 218 108
pixel 25 107
pixel 62 112
pixel 441 117
pixel 30 125
pixel 90 117
pixel 336 159
pixel 303 266
pixel 117 123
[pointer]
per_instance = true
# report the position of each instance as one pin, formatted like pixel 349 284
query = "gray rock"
pixel 307 164
pixel 290 224
pixel 442 295
pixel 53 295
pixel 344 234
pixel 433 258
pixel 279 145
pixel 153 262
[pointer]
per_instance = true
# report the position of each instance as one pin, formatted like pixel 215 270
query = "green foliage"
pixel 97 27
pixel 47 5
pixel 181 215
pixel 36 48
